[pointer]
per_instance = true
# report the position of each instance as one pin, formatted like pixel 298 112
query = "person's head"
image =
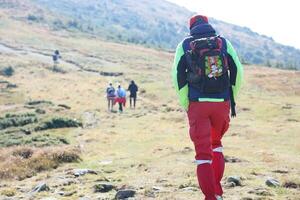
pixel 110 84
pixel 119 86
pixel 56 52
pixel 198 19
pixel 132 82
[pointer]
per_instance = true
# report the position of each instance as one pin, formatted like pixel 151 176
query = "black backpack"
pixel 208 65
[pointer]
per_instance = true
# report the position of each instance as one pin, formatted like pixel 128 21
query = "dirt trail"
pixel 46 58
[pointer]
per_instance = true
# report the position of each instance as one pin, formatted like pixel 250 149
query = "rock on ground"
pixel 123 194
pixel 234 179
pixel 271 182
pixel 103 187
pixel 41 187
pixel 81 172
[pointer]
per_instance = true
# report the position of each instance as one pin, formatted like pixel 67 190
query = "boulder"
pixel 103 187
pixel 41 187
pixel 234 179
pixel 230 185
pixel 231 159
pixel 271 182
pixel 123 194
pixel 81 172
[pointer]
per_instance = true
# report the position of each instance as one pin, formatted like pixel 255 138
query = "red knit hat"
pixel 198 18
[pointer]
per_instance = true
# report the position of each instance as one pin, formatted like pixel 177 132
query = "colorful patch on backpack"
pixel 213 66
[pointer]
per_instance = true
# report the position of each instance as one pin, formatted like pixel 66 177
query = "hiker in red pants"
pixel 207 75
pixel 121 98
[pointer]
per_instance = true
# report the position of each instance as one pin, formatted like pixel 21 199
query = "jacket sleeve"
pixel 236 69
pixel 179 76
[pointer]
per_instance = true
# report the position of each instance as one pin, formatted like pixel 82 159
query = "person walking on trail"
pixel 110 95
pixel 55 57
pixel 132 88
pixel 207 75
pixel 121 98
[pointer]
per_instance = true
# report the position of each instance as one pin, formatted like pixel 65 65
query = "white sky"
pixel 276 18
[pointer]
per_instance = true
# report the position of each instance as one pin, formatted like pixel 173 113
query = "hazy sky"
pixel 276 18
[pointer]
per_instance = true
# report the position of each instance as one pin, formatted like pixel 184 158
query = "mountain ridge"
pixel 159 24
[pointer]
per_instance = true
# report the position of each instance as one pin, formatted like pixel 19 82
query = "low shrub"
pixel 40 111
pixel 45 140
pixel 59 123
pixel 10 86
pixel 8 192
pixel 13 165
pixel 15 120
pixel 24 152
pixel 18 138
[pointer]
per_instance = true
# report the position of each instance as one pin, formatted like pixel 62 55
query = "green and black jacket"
pixel 187 93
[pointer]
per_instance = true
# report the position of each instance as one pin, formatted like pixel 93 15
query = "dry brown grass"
pixel 146 146
pixel 23 162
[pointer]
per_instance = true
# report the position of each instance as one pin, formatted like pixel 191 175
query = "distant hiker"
pixel 132 88
pixel 110 95
pixel 207 75
pixel 55 57
pixel 121 98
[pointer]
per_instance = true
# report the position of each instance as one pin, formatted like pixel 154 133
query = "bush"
pixel 45 140
pixel 13 120
pixel 65 156
pixel 23 152
pixel 8 192
pixel 9 115
pixel 8 142
pixel 14 166
pixel 40 111
pixel 7 71
pixel 59 123
pixel 18 138
pixel 10 85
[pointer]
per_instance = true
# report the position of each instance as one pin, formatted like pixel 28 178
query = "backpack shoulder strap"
pixel 223 43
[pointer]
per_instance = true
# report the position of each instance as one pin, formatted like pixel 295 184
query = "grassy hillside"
pixel 147 149
pixel 150 23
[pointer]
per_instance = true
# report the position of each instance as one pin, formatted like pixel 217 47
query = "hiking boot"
pixel 218 197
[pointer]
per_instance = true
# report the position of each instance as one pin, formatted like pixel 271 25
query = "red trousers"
pixel 120 100
pixel 208 123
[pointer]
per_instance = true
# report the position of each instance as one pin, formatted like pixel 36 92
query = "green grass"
pixel 35 139
pixel 58 122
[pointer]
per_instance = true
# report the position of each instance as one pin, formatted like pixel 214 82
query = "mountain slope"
pixel 147 149
pixel 157 23
pixel 163 24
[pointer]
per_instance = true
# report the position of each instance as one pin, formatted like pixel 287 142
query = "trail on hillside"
pixel 46 57
pixel 148 149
